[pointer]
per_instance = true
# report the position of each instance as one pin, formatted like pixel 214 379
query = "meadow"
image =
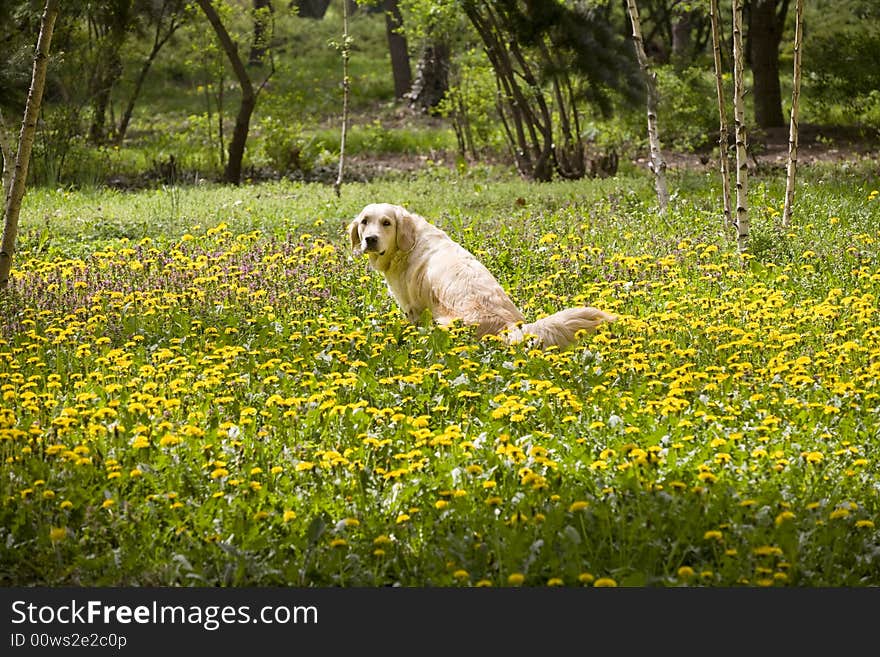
pixel 202 386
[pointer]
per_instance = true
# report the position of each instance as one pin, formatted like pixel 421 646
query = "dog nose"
pixel 371 240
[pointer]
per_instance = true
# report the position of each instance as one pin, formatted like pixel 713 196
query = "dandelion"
pixel 516 579
pixel 461 574
pixel 713 535
pixel 555 581
pixel 685 572
pixel 106 504
pixel 586 578
pixel 605 582
pixel 288 515
pixel 57 534
pixel 338 542
pixel 579 505
pixel 784 517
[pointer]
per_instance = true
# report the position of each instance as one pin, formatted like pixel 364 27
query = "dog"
pixel 425 269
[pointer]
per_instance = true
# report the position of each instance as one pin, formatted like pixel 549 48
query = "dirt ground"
pixel 768 150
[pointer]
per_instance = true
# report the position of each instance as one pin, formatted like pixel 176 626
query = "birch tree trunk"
pixel 723 159
pixel 346 84
pixel 793 127
pixel 658 164
pixel 26 141
pixel 742 171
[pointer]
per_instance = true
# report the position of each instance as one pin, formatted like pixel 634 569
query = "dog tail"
pixel 560 328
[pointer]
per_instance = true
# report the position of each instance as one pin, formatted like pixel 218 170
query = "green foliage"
pixel 688 108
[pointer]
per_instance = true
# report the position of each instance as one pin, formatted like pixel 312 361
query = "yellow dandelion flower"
pixel 605 582
pixel 484 583
pixel 441 504
pixel 783 517
pixel 686 572
pixel 403 517
pixel 338 542
pixel 579 505
pixel 304 465
pixel 57 534
pixel 767 551
pixel 865 524
pixel 713 535
pixel 555 581
pixel 839 513
pixel 382 539
pixel 461 573
pixel 586 578
pixel 516 579
pixel 288 516
pixel 106 504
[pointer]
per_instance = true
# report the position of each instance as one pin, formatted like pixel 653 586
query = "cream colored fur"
pixel 426 270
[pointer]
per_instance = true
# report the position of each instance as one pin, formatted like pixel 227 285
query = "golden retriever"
pixel 426 270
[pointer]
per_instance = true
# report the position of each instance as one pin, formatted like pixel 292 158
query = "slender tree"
pixel 742 171
pixel 172 10
pixel 26 141
pixel 793 126
pixel 722 114
pixel 658 164
pixel 346 86
pixel 232 174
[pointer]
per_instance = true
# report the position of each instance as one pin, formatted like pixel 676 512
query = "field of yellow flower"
pixel 237 401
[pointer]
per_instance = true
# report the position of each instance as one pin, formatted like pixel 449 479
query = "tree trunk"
pixel 432 78
pixel 259 46
pixel 658 164
pixel 232 173
pixel 311 8
pixel 765 34
pixel 346 86
pixel 742 171
pixel 26 141
pixel 397 47
pixel 682 39
pixel 722 115
pixel 793 126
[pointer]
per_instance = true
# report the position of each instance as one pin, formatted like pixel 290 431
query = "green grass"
pixel 202 386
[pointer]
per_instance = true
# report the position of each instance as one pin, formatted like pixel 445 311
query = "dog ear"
pixel 353 235
pixel 405 230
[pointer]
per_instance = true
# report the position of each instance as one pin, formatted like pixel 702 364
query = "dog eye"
pixel 386 223
pixel 364 221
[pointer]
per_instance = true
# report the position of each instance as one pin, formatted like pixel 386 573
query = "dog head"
pixel 382 228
